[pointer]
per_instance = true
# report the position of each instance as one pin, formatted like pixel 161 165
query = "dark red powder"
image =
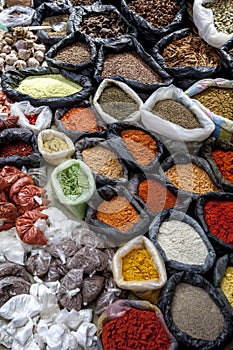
pixel 135 330
pixel 219 218
pixel 20 148
pixel 224 161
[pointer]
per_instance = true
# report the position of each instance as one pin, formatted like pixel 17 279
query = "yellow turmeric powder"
pixel 138 265
pixel 227 284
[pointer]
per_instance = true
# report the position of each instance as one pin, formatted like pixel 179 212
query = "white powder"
pixel 180 242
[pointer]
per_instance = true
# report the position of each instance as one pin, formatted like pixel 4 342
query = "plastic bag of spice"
pixel 18 147
pixel 16 16
pixel 127 61
pixel 55 146
pixel 181 242
pixel 145 321
pixel 57 88
pixel 179 122
pixel 116 215
pixel 35 119
pixel 195 312
pixel 116 101
pixel 212 22
pixel 215 98
pixel 80 120
pixel 97 153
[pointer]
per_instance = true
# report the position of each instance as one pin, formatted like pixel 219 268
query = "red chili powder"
pixel 20 148
pixel 81 118
pixel 136 329
pixel 156 196
pixel 224 161
pixel 219 218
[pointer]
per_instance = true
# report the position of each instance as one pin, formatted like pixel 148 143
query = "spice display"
pixel 156 196
pixel 140 144
pixel 219 218
pixel 181 242
pixel 48 85
pixel 117 103
pixel 175 112
pixel 217 100
pixel 108 24
pixel 158 13
pixel 49 21
pixel 190 177
pixel 76 53
pixel 223 160
pixel 129 65
pixel 220 9
pixel 138 265
pixel 227 284
pixel 73 180
pixel 194 312
pixel 118 213
pixel 81 118
pixel 102 161
pixel 190 50
pixel 8 215
pixel 32 118
pixel 20 148
pixel 136 329
pixel 56 144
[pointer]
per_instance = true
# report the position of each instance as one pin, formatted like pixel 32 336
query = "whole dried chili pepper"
pixel 224 161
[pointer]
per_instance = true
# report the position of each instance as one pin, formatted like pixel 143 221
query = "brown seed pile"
pixel 190 50
pixel 217 100
pixel 223 15
pixel 76 53
pixel 118 213
pixel 131 66
pixel 189 177
pixel 158 13
pixel 49 21
pixel 102 161
pixel 175 112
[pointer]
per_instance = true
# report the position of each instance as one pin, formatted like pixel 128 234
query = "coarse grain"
pixel 227 284
pixel 129 65
pixel 222 14
pixel 76 53
pixel 181 242
pixel 190 177
pixel 81 118
pixel 102 161
pixel 175 112
pixel 49 21
pixel 217 100
pixel 190 50
pixel 194 312
pixel 119 213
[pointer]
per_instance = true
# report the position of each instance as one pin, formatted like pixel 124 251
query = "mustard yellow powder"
pixel 227 284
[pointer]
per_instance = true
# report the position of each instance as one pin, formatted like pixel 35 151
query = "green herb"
pixel 73 181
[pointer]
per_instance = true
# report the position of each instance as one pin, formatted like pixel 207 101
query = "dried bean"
pixel 176 113
pixel 223 14
pixel 190 50
pixel 20 148
pixel 49 21
pixel 131 66
pixel 76 53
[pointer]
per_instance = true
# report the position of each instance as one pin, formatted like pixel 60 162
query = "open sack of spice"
pixel 133 324
pixel 17 15
pixel 73 183
pixel 180 122
pixel 117 102
pixel 32 118
pixel 213 22
pixel 215 98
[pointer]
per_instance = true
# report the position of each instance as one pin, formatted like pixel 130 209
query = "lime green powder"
pixel 48 85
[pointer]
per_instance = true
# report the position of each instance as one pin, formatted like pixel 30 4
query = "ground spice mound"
pixel 156 196
pixel 194 312
pixel 224 161
pixel 118 213
pixel 141 145
pixel 218 216
pixel 80 118
pixel 189 177
pixel 227 284
pixel 136 329
pixel 102 161
pixel 20 148
pixel 76 53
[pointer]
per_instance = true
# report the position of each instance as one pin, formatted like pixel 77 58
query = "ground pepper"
pixel 20 148
pixel 227 284
pixel 223 160
pixel 118 213
pixel 136 329
pixel 156 196
pixel 138 265
pixel 140 144
pixel 80 118
pixel 219 218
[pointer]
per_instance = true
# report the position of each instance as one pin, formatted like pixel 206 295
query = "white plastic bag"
pixel 109 119
pixel 10 248
pixel 44 118
pixel 204 21
pixel 139 242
